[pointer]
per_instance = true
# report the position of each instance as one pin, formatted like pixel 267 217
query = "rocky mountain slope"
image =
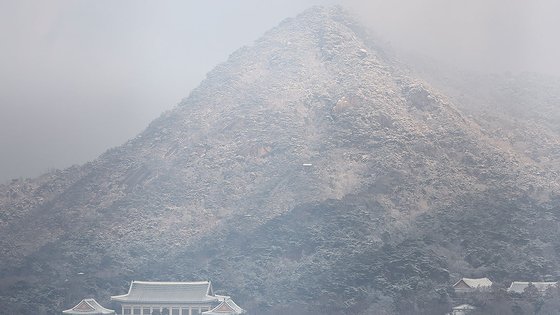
pixel 305 174
pixel 516 110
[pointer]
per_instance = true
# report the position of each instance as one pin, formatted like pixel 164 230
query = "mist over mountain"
pixel 310 173
pixel 82 76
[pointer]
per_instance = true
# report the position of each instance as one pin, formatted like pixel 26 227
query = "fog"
pixel 79 77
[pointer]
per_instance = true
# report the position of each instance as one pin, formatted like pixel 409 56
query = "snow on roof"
pixel 475 282
pixel 88 307
pixel 520 286
pixel 168 292
pixel 222 297
pixel 227 307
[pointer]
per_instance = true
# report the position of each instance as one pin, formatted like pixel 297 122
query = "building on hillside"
pixel 173 298
pixel 466 285
pixel 519 286
pixel 227 307
pixel 462 309
pixel 88 307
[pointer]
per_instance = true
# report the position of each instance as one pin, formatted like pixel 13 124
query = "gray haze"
pixel 78 77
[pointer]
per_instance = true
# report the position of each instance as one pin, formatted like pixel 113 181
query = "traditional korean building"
pixel 519 286
pixel 227 307
pixel 173 298
pixel 466 285
pixel 88 307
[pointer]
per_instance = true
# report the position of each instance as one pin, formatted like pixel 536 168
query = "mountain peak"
pixel 333 12
pixel 319 37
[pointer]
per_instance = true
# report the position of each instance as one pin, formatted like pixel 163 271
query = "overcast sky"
pixel 80 76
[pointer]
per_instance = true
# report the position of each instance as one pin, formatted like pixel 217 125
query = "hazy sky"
pixel 80 76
